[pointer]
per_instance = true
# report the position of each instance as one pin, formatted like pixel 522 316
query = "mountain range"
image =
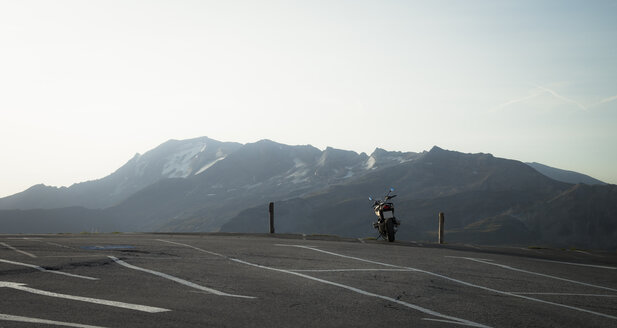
pixel 206 185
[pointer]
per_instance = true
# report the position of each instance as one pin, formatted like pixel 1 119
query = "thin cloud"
pixel 556 95
pixel 539 90
pixel 515 101
pixel 605 100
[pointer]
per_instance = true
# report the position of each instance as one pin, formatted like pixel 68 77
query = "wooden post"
pixel 441 222
pixel 271 217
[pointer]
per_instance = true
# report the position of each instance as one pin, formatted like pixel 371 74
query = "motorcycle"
pixel 386 224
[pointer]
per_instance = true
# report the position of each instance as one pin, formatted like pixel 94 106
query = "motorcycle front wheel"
pixel 390 229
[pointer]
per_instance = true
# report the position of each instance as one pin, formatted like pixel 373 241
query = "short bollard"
pixel 271 217
pixel 441 222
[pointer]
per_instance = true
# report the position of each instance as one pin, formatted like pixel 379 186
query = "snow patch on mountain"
pixel 298 176
pixel 179 165
pixel 322 160
pixel 370 163
pixel 298 163
pixel 209 165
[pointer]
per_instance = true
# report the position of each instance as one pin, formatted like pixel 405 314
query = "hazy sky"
pixel 84 85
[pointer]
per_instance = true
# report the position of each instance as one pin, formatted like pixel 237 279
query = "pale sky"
pixel 84 85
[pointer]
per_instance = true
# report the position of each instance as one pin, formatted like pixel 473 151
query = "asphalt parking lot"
pixel 226 280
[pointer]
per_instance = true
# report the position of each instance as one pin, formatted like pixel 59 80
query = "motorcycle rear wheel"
pixel 390 229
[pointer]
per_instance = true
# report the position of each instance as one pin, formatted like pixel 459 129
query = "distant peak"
pixel 443 152
pixel 267 142
pixel 41 186
pixel 337 150
pixel 379 151
pixel 190 140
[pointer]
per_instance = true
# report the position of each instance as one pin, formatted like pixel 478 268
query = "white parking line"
pixel 17 250
pixel 579 264
pixel 178 280
pixel 193 247
pixel 59 245
pixel 48 242
pixel 136 307
pixel 535 273
pixel 409 305
pixel 566 294
pixel 74 256
pixel 45 270
pixel 457 281
pixel 349 270
pixel 363 292
pixel 446 321
pixel 8 317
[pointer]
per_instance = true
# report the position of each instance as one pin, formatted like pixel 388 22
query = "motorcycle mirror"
pixel 370 198
pixel 391 189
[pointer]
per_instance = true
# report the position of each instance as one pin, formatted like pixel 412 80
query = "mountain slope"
pixel 466 185
pixel 58 220
pixel 582 216
pixel 487 200
pixel 256 173
pixel 565 176
pixel 205 185
pixel 171 159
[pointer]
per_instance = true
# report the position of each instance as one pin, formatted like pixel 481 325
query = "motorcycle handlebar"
pixel 386 197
